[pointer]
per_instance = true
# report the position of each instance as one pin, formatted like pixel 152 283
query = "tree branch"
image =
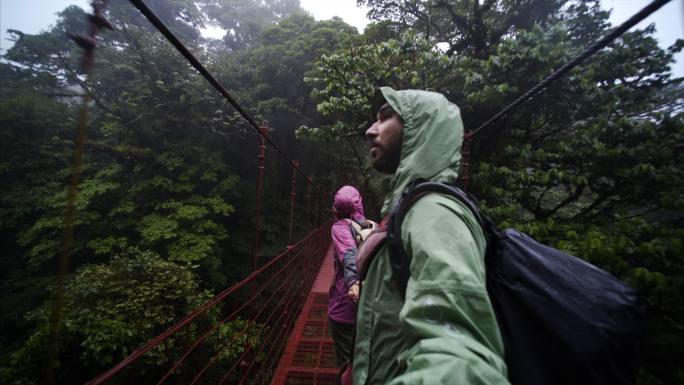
pixel 572 197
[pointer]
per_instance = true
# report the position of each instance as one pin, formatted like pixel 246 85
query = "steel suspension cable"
pixel 164 30
pixel 555 75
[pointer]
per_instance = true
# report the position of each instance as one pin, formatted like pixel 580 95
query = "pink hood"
pixel 348 203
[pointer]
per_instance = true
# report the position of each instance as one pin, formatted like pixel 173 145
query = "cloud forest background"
pixel 165 211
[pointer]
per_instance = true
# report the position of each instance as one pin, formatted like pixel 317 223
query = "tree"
pixel 244 20
pixel 109 310
pixel 166 178
pixel 467 27
pixel 148 182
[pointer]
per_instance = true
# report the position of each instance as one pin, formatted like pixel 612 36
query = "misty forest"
pixel 165 211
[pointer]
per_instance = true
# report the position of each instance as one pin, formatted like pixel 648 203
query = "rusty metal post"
pixel 88 42
pixel 318 204
pixel 293 194
pixel 465 160
pixel 309 183
pixel 263 133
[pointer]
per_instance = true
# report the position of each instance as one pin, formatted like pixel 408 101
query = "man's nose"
pixel 372 131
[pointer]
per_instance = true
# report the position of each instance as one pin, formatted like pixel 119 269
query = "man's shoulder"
pixel 440 213
pixel 438 204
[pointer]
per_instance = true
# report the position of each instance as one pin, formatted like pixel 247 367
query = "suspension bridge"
pixel 271 327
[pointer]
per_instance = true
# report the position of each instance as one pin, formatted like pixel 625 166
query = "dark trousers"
pixel 343 337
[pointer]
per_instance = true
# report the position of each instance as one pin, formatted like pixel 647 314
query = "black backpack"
pixel 563 320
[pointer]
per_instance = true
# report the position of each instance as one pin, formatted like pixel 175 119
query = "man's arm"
pixel 447 316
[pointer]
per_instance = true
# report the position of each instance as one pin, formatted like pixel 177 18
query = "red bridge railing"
pixel 237 337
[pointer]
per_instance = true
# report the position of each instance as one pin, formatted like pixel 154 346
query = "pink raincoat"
pixel 348 205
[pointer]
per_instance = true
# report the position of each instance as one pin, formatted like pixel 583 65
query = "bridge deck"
pixel 309 356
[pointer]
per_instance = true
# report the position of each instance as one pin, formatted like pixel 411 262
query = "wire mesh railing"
pixel 239 335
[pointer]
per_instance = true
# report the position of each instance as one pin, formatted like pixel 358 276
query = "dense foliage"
pixel 165 205
pixel 164 216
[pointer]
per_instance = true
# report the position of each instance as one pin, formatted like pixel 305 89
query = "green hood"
pixel 432 138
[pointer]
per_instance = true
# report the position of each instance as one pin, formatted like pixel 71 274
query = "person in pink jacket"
pixel 344 290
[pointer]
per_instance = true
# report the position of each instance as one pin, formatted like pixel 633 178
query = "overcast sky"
pixel 32 16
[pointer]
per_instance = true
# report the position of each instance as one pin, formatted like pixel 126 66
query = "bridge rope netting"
pixel 246 325
pixel 243 331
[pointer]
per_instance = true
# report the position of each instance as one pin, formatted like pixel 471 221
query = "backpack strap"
pixel 355 227
pixel 369 249
pixel 399 259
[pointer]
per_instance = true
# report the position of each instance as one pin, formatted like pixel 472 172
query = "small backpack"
pixel 361 229
pixel 563 320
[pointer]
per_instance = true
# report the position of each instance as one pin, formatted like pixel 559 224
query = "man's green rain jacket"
pixel 445 332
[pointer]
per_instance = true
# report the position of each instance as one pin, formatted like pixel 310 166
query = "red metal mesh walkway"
pixel 309 357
